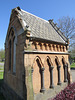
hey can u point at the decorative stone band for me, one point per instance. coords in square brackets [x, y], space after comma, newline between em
[44, 52]
[42, 80]
[49, 47]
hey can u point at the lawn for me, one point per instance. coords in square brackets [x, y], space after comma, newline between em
[73, 65]
[1, 71]
[1, 75]
[1, 67]
[1, 62]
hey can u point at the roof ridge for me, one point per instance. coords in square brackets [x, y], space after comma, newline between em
[35, 15]
[57, 29]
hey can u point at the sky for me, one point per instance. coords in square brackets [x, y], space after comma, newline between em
[46, 9]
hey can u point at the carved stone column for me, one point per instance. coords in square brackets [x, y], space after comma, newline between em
[65, 73]
[42, 80]
[59, 76]
[51, 77]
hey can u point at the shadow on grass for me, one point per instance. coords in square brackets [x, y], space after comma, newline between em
[1, 95]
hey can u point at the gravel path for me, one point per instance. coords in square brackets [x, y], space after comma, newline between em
[2, 64]
[1, 70]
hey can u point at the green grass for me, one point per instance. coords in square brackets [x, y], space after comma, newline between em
[1, 67]
[1, 62]
[1, 75]
[73, 65]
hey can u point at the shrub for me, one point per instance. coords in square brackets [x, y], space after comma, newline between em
[67, 94]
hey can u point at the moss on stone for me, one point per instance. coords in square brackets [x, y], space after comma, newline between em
[29, 84]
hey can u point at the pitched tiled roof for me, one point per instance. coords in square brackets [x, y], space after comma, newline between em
[41, 28]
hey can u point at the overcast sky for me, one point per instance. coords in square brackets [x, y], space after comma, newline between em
[46, 9]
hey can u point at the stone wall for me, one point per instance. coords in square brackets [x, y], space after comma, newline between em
[16, 81]
[30, 59]
[33, 71]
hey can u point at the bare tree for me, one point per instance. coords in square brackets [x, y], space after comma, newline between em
[67, 26]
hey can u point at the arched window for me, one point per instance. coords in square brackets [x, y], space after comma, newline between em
[14, 55]
[10, 55]
[12, 51]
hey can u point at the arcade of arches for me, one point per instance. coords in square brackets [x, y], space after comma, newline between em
[47, 70]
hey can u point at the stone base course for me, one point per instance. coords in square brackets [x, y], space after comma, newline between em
[50, 93]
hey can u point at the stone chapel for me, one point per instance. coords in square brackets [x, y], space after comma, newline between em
[36, 58]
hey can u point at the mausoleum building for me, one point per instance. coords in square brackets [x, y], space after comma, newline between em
[36, 57]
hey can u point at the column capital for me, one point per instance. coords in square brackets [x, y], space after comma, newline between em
[65, 65]
[59, 66]
[51, 67]
[42, 68]
[32, 70]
